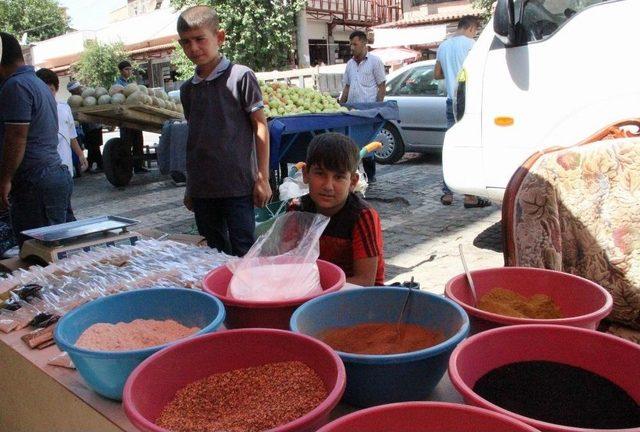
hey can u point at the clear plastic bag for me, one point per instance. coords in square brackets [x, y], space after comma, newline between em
[293, 187]
[281, 265]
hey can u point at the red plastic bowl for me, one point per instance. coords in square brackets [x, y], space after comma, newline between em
[426, 417]
[155, 381]
[608, 356]
[582, 302]
[247, 314]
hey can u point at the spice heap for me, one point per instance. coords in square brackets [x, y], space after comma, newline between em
[251, 399]
[380, 338]
[508, 303]
[134, 335]
[560, 394]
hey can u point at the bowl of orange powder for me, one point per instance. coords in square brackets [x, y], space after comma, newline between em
[524, 295]
[107, 338]
[386, 362]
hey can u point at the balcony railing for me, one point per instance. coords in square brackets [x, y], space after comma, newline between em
[356, 12]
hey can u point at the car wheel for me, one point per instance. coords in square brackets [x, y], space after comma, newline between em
[392, 146]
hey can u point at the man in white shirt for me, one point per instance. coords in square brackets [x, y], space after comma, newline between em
[67, 136]
[364, 81]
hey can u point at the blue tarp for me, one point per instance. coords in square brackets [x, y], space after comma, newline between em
[289, 135]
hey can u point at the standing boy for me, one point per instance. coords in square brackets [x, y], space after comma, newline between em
[228, 141]
[353, 238]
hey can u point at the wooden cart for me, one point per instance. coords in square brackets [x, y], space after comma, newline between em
[117, 152]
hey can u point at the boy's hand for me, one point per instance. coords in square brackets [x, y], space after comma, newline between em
[261, 192]
[188, 203]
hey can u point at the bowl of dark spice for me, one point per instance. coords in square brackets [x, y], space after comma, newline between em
[237, 380]
[523, 295]
[426, 417]
[555, 378]
[386, 361]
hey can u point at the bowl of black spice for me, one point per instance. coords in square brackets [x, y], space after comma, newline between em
[555, 378]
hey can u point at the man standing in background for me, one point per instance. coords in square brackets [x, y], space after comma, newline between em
[449, 60]
[132, 136]
[364, 81]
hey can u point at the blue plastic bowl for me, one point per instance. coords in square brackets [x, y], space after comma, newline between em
[381, 379]
[106, 371]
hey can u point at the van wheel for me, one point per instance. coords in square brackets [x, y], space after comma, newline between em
[392, 146]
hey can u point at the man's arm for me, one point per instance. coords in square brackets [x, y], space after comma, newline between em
[261, 189]
[345, 94]
[437, 72]
[15, 142]
[78, 151]
[382, 91]
[364, 271]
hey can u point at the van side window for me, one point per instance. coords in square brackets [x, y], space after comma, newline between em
[542, 18]
[418, 82]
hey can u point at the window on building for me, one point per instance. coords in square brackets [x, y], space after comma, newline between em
[318, 52]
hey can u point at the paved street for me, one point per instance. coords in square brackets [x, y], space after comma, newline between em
[421, 236]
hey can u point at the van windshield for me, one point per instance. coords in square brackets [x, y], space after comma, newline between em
[542, 18]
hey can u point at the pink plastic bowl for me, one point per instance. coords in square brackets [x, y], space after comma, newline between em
[582, 302]
[155, 381]
[247, 314]
[426, 417]
[608, 356]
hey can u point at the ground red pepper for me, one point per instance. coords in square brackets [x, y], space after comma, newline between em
[380, 338]
[244, 400]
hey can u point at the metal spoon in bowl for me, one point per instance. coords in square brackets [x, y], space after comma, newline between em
[466, 270]
[404, 306]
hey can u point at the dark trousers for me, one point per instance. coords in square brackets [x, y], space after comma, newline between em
[369, 165]
[228, 224]
[134, 138]
[41, 203]
[93, 142]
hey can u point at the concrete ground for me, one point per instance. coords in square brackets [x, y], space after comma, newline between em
[421, 236]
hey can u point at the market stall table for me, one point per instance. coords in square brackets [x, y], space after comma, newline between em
[36, 396]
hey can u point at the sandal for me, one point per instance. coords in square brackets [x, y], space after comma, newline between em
[480, 202]
[446, 199]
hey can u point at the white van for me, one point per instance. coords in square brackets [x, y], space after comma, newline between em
[543, 73]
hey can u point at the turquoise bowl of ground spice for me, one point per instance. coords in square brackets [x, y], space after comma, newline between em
[555, 378]
[106, 370]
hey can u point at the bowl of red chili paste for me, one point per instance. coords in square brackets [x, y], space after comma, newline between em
[555, 378]
[266, 314]
[245, 379]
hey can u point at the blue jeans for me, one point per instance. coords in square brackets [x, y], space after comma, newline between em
[228, 224]
[451, 120]
[42, 202]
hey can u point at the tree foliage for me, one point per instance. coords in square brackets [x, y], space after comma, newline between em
[98, 64]
[485, 7]
[184, 67]
[260, 33]
[40, 19]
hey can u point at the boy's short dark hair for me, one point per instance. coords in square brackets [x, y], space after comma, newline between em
[359, 34]
[468, 21]
[11, 51]
[49, 77]
[124, 64]
[333, 151]
[198, 17]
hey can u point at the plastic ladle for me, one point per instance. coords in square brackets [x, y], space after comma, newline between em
[404, 306]
[466, 270]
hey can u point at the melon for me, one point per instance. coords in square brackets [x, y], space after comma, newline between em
[118, 99]
[116, 88]
[135, 98]
[100, 91]
[143, 89]
[89, 91]
[105, 99]
[75, 101]
[130, 89]
[89, 101]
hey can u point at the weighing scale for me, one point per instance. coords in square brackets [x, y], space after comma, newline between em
[56, 242]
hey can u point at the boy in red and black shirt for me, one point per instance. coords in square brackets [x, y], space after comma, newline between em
[353, 238]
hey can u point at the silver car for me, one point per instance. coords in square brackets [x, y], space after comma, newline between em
[422, 104]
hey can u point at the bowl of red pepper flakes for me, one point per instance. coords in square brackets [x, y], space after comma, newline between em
[239, 380]
[271, 314]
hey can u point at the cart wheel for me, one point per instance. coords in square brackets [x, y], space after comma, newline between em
[118, 162]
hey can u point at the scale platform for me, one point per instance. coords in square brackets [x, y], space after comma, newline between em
[56, 242]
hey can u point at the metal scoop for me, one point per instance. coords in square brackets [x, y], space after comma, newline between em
[404, 306]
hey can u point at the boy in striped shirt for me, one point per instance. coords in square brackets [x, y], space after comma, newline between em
[353, 239]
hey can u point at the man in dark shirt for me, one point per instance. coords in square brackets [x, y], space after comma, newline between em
[34, 183]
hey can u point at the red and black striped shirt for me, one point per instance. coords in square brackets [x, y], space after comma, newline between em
[353, 233]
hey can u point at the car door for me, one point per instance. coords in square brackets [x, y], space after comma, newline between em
[422, 105]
